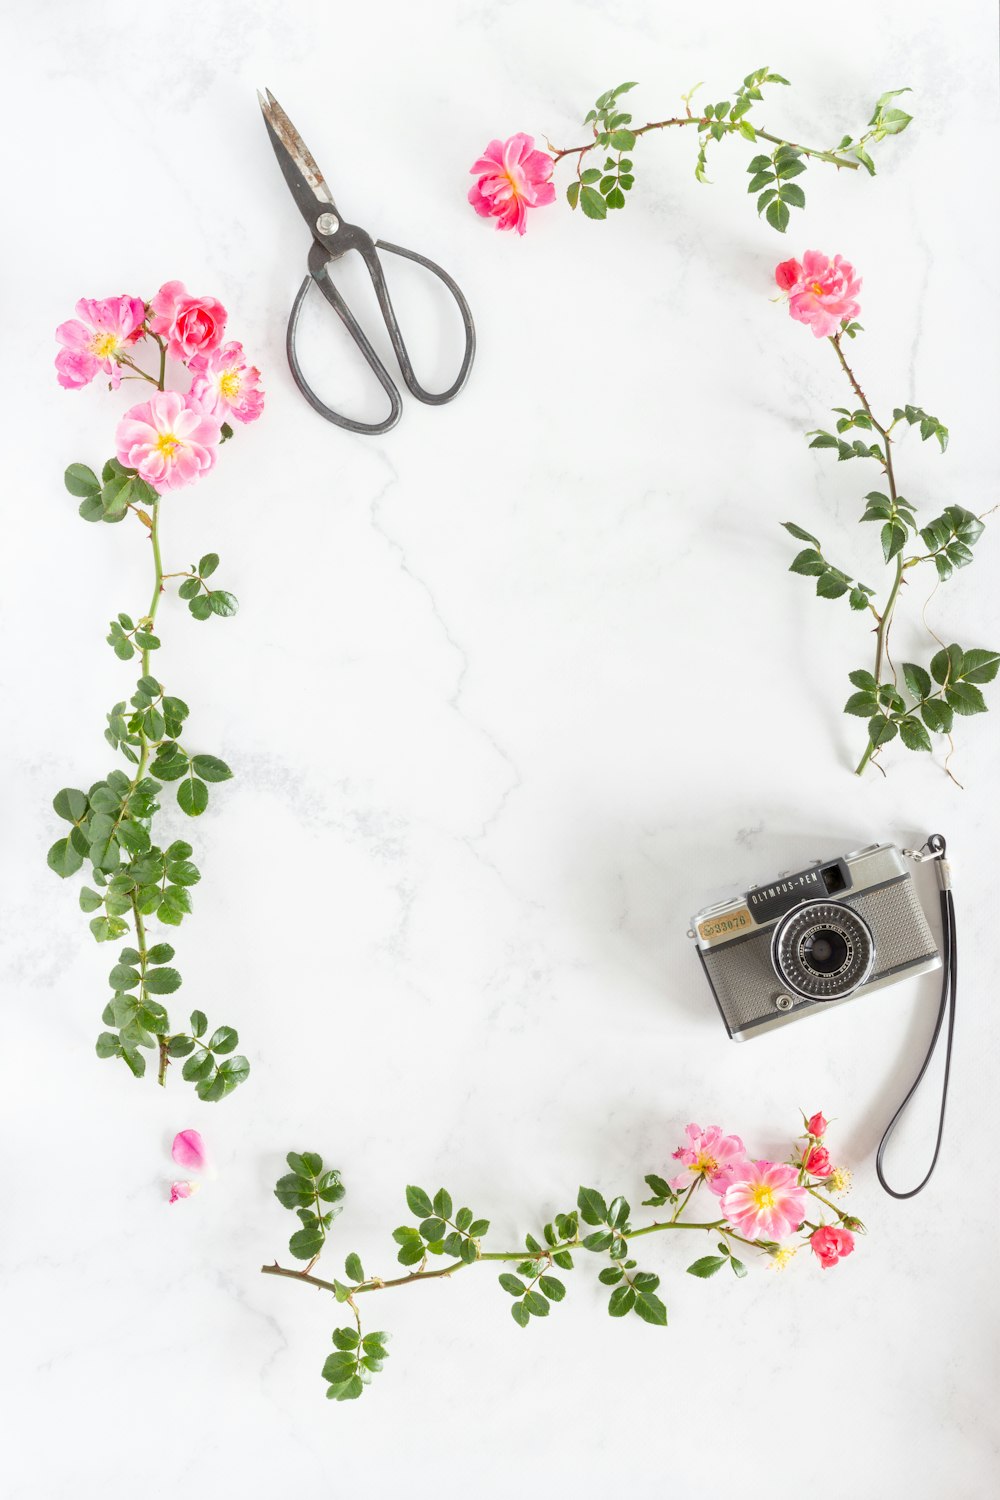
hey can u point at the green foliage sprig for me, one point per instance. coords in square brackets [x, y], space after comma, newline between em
[135, 873]
[445, 1240]
[911, 702]
[598, 189]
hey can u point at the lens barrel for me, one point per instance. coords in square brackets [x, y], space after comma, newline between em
[822, 950]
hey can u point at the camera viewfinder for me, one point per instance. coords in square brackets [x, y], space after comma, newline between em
[834, 878]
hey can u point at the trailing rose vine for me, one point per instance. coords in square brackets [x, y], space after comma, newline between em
[774, 1208]
[162, 444]
[513, 176]
[822, 293]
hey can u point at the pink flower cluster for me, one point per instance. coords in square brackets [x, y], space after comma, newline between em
[173, 438]
[511, 178]
[766, 1200]
[821, 292]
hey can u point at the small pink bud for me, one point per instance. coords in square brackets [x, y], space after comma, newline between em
[188, 1151]
[817, 1125]
[182, 1190]
[787, 274]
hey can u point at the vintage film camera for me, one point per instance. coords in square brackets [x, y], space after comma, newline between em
[806, 941]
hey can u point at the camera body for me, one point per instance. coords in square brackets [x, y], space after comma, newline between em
[813, 939]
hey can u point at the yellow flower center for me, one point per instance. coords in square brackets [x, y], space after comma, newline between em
[166, 443]
[229, 385]
[817, 288]
[762, 1195]
[104, 345]
[706, 1164]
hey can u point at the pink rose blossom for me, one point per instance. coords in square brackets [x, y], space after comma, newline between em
[818, 1162]
[190, 325]
[93, 340]
[817, 1125]
[170, 439]
[226, 384]
[182, 1190]
[188, 1150]
[513, 177]
[710, 1156]
[821, 292]
[831, 1244]
[763, 1200]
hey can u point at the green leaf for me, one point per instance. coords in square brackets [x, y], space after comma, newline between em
[162, 981]
[881, 730]
[200, 606]
[947, 664]
[800, 534]
[622, 1301]
[520, 1314]
[419, 1203]
[223, 1040]
[199, 1023]
[917, 680]
[347, 1338]
[623, 140]
[964, 698]
[293, 1191]
[913, 734]
[511, 1283]
[210, 768]
[433, 1229]
[592, 203]
[208, 564]
[81, 481]
[221, 603]
[777, 215]
[108, 1045]
[739, 1269]
[70, 804]
[573, 193]
[707, 1266]
[831, 585]
[536, 1304]
[552, 1287]
[234, 1071]
[650, 1309]
[593, 1209]
[192, 797]
[307, 1242]
[893, 538]
[64, 858]
[980, 666]
[937, 716]
[809, 562]
[443, 1206]
[354, 1270]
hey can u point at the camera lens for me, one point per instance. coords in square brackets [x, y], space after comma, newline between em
[822, 950]
[826, 950]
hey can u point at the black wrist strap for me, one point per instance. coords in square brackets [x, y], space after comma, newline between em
[933, 849]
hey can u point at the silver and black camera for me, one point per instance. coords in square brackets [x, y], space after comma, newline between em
[809, 940]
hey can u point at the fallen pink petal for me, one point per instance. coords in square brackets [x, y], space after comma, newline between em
[182, 1190]
[189, 1151]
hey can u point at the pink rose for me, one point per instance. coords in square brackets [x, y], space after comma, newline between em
[190, 325]
[818, 1162]
[709, 1156]
[226, 384]
[764, 1201]
[817, 1125]
[821, 292]
[170, 439]
[831, 1244]
[95, 339]
[513, 177]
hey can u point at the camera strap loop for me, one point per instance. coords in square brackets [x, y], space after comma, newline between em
[934, 849]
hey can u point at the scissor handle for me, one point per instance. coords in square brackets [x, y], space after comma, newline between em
[319, 262]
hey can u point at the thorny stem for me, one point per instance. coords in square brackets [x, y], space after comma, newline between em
[831, 156]
[885, 618]
[377, 1284]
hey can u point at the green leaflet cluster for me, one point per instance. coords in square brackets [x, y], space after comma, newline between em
[912, 701]
[597, 190]
[113, 826]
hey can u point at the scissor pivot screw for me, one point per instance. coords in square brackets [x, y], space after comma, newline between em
[327, 224]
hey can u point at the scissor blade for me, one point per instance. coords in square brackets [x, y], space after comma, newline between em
[305, 180]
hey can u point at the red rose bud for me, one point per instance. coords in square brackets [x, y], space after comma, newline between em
[817, 1125]
[818, 1162]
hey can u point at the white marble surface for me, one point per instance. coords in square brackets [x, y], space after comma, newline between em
[512, 690]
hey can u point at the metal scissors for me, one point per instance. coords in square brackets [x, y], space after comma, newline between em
[332, 239]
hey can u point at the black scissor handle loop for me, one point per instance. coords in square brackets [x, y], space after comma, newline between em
[431, 398]
[319, 263]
